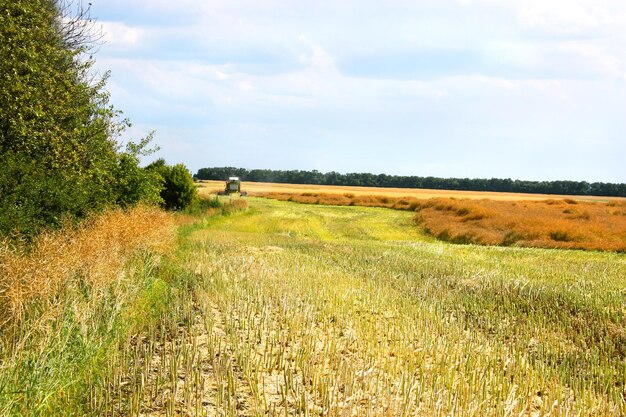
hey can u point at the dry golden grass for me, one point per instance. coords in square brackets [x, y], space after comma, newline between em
[211, 187]
[550, 223]
[563, 224]
[96, 251]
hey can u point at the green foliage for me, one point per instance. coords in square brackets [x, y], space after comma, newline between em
[33, 197]
[151, 304]
[58, 132]
[134, 184]
[179, 191]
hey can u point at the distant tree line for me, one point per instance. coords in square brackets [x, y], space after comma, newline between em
[398, 181]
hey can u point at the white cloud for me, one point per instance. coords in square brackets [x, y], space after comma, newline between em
[121, 37]
[281, 80]
[564, 17]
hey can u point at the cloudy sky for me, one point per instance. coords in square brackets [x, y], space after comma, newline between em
[524, 89]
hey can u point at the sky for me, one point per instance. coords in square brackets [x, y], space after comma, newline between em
[521, 89]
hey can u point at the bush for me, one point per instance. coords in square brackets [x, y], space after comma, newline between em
[135, 184]
[560, 236]
[204, 205]
[178, 191]
[34, 198]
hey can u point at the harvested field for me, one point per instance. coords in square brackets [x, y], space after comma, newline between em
[318, 310]
[549, 223]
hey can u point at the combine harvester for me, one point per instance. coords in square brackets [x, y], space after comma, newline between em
[233, 186]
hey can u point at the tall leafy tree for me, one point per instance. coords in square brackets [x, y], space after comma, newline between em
[58, 131]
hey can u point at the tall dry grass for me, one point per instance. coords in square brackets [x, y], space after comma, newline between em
[78, 304]
[346, 199]
[95, 252]
[566, 223]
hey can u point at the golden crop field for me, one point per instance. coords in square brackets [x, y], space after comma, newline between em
[565, 224]
[207, 187]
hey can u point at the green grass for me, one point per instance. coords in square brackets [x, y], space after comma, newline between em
[328, 223]
[66, 365]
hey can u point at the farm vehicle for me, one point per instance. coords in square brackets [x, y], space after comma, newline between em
[233, 186]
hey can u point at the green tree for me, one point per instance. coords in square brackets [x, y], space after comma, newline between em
[134, 184]
[178, 192]
[58, 133]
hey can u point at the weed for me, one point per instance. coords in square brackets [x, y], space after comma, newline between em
[63, 301]
[560, 236]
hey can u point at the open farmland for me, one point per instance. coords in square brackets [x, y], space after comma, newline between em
[207, 187]
[564, 224]
[591, 223]
[350, 311]
[307, 310]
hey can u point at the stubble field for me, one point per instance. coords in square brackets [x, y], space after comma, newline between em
[286, 309]
[350, 311]
[504, 219]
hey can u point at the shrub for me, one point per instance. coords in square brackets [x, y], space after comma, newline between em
[32, 198]
[511, 238]
[134, 184]
[178, 191]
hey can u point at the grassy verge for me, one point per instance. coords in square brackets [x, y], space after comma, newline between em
[76, 303]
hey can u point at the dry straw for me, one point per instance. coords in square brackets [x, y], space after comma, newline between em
[95, 252]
